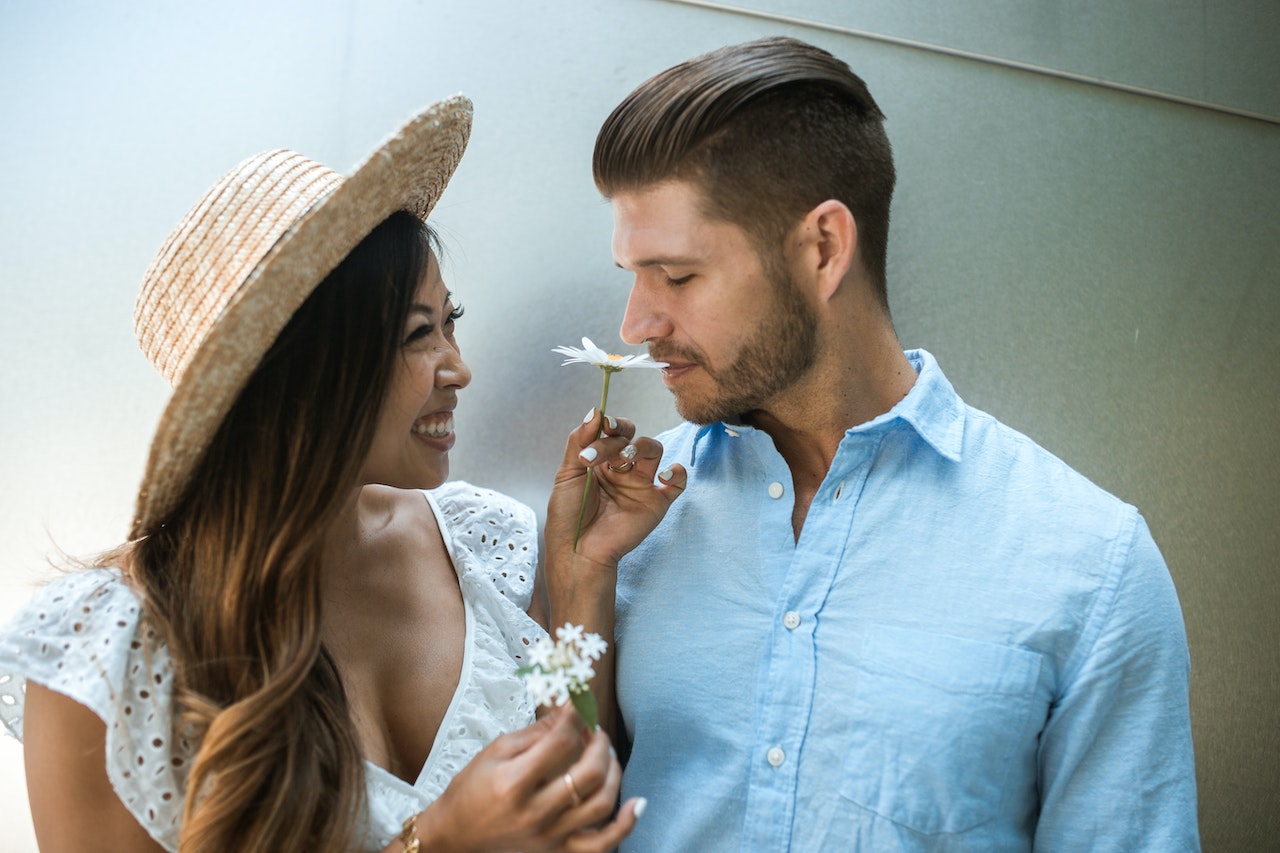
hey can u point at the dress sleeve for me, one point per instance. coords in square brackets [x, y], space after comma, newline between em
[1116, 765]
[83, 635]
[499, 531]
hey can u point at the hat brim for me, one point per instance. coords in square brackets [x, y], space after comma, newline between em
[408, 171]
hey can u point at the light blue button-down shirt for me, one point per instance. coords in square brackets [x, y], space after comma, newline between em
[971, 648]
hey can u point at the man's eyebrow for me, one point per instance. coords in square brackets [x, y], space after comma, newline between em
[660, 262]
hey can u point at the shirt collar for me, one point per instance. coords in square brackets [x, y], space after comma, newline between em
[932, 408]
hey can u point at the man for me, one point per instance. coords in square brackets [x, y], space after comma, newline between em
[877, 619]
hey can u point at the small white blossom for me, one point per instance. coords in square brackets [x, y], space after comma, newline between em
[559, 670]
[569, 634]
[557, 686]
[539, 688]
[592, 647]
[580, 671]
[541, 653]
[592, 354]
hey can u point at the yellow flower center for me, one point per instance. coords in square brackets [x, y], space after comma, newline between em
[613, 357]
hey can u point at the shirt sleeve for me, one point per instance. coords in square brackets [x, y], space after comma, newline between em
[1117, 771]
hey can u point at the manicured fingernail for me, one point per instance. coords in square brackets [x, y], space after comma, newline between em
[591, 416]
[641, 805]
[666, 475]
[608, 419]
[588, 455]
[629, 452]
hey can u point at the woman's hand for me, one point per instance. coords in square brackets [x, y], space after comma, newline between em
[627, 499]
[549, 787]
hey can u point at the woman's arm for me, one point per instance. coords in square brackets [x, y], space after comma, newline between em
[73, 804]
[622, 507]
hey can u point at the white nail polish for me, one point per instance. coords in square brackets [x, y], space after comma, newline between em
[591, 416]
[666, 475]
[611, 422]
[629, 452]
[588, 455]
[641, 804]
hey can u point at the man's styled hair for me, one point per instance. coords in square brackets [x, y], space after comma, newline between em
[766, 130]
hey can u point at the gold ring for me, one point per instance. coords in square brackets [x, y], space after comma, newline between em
[567, 779]
[621, 469]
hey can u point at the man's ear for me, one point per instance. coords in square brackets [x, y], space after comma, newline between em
[828, 240]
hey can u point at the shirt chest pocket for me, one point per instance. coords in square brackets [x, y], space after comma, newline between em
[936, 724]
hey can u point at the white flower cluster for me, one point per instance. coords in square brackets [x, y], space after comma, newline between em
[562, 667]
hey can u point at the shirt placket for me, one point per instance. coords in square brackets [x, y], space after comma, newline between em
[788, 669]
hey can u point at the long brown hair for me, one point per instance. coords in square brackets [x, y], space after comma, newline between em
[231, 579]
[766, 130]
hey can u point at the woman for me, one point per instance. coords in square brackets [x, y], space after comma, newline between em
[297, 648]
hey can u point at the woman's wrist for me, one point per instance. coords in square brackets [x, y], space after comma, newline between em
[578, 579]
[409, 841]
[429, 835]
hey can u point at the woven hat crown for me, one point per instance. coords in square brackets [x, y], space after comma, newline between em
[210, 254]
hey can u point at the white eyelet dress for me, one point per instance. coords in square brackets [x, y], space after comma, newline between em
[83, 635]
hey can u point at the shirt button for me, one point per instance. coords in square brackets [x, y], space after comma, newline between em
[791, 620]
[775, 490]
[776, 756]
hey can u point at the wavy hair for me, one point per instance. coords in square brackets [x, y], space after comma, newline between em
[231, 579]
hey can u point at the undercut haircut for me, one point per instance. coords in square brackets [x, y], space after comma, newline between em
[766, 130]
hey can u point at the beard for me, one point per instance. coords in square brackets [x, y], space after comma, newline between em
[774, 355]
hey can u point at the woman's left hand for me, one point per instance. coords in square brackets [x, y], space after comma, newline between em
[625, 498]
[628, 498]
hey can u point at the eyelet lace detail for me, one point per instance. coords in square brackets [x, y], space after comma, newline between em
[83, 635]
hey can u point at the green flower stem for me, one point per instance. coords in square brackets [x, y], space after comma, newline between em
[586, 491]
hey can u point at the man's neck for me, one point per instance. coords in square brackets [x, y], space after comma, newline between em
[808, 422]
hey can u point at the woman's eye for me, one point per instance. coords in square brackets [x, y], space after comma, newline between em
[679, 281]
[453, 317]
[419, 333]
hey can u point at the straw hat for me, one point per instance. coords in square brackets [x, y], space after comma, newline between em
[244, 259]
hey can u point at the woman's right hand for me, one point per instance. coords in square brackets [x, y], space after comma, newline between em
[515, 795]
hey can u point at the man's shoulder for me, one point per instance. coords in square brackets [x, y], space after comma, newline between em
[994, 448]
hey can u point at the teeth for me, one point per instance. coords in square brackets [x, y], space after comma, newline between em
[436, 428]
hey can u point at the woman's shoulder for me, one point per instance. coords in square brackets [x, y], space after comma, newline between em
[462, 501]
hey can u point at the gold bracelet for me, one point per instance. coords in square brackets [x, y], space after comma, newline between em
[409, 835]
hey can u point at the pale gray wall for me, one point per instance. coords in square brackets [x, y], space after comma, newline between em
[1100, 270]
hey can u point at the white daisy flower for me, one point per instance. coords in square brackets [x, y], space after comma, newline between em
[608, 362]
